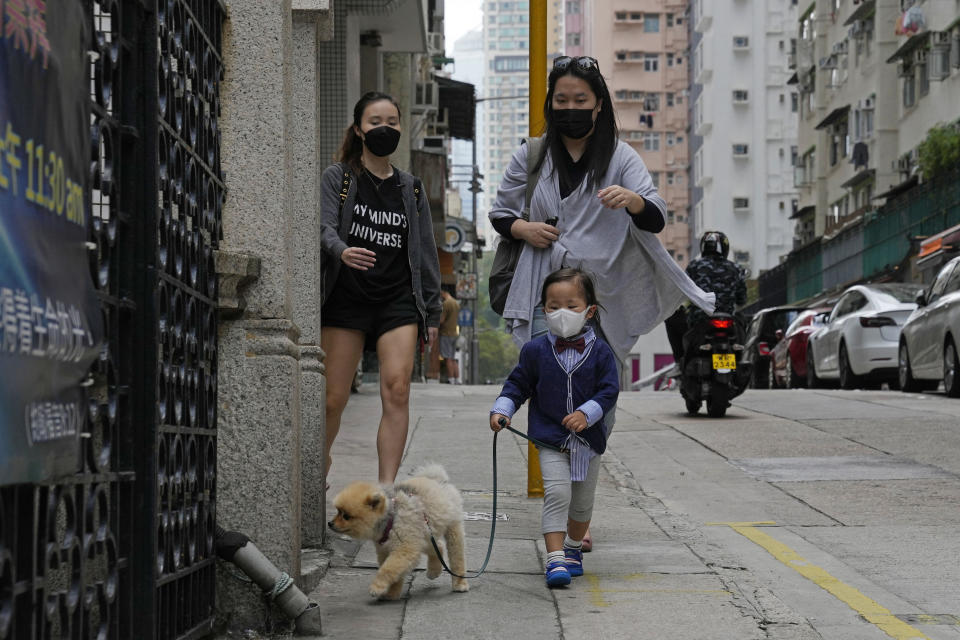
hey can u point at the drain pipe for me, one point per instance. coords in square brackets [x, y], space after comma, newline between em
[278, 586]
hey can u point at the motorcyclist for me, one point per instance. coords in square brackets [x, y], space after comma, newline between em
[712, 271]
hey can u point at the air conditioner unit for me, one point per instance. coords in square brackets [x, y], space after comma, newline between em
[903, 163]
[920, 56]
[425, 97]
[941, 38]
[867, 103]
[840, 47]
[435, 42]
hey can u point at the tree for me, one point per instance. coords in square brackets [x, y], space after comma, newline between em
[940, 151]
[498, 353]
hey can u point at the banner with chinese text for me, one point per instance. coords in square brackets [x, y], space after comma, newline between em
[50, 320]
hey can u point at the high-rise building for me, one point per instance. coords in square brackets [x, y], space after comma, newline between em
[744, 126]
[468, 66]
[504, 101]
[642, 52]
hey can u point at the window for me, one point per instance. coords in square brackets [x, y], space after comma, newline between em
[636, 16]
[794, 102]
[651, 102]
[670, 179]
[620, 15]
[741, 149]
[573, 39]
[863, 123]
[655, 176]
[741, 203]
[651, 62]
[741, 42]
[922, 73]
[740, 96]
[670, 101]
[651, 141]
[679, 139]
[909, 91]
[669, 19]
[670, 59]
[953, 284]
[622, 56]
[939, 57]
[651, 22]
[671, 139]
[573, 6]
[794, 156]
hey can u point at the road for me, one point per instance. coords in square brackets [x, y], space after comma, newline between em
[800, 515]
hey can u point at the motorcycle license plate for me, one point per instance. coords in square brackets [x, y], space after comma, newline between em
[724, 361]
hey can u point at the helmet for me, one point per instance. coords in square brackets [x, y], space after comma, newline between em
[714, 242]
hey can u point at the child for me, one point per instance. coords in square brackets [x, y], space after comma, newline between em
[572, 379]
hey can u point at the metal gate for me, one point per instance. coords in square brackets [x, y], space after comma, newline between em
[124, 548]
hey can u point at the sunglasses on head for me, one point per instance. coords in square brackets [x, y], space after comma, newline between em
[584, 62]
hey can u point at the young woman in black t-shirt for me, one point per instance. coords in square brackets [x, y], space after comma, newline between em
[381, 285]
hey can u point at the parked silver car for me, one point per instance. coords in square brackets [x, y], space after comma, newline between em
[929, 338]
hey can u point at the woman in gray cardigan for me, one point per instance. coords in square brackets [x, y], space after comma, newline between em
[381, 286]
[595, 207]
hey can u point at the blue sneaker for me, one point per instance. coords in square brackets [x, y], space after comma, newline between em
[573, 558]
[557, 574]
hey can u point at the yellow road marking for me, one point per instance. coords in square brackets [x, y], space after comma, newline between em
[869, 609]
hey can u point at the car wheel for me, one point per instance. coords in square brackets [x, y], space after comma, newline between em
[951, 370]
[761, 373]
[848, 379]
[791, 379]
[813, 381]
[904, 374]
[693, 406]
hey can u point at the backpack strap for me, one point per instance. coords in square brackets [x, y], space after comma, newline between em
[534, 146]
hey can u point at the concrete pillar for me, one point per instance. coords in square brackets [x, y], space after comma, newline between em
[260, 420]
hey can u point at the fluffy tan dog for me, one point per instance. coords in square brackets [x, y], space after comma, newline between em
[400, 519]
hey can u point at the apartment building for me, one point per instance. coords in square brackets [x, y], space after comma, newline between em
[874, 76]
[744, 126]
[641, 47]
[504, 102]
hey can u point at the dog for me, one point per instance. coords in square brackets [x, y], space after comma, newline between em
[400, 519]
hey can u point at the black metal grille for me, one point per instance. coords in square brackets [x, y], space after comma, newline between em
[124, 548]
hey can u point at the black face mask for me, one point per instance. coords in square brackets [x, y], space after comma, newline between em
[573, 123]
[382, 140]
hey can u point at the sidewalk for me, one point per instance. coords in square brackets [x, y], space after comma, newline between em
[642, 581]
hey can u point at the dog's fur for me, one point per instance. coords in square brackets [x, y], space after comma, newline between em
[363, 511]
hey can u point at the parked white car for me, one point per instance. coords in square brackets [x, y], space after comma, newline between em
[929, 339]
[858, 344]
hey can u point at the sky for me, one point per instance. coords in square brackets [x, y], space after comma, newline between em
[460, 17]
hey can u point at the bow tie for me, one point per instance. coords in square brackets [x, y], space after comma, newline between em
[563, 344]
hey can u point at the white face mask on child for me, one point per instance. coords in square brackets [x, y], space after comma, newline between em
[566, 323]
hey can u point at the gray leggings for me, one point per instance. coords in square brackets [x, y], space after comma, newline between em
[562, 498]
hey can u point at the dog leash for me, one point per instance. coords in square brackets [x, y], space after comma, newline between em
[493, 520]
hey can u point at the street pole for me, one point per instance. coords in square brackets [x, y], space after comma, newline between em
[475, 339]
[537, 81]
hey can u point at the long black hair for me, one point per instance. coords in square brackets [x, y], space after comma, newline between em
[602, 142]
[351, 149]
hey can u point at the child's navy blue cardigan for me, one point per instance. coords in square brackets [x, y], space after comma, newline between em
[540, 377]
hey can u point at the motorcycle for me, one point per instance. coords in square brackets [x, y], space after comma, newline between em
[712, 370]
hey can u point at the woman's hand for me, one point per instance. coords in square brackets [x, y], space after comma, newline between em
[357, 258]
[576, 421]
[496, 419]
[617, 197]
[539, 234]
[432, 333]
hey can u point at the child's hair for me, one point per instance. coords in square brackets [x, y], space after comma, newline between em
[571, 274]
[352, 146]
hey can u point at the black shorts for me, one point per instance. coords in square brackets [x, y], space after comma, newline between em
[372, 318]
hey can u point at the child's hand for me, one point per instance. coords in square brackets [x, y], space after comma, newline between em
[576, 421]
[498, 421]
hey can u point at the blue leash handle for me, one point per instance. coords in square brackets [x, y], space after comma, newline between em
[493, 520]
